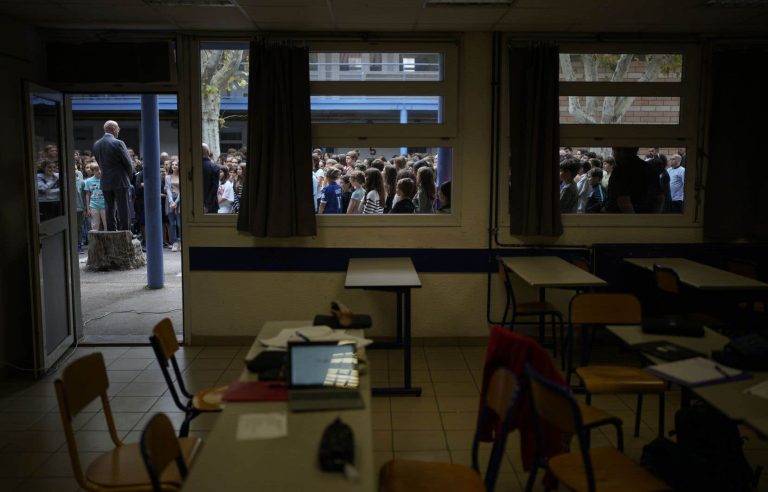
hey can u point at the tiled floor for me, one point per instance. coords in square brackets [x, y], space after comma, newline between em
[437, 426]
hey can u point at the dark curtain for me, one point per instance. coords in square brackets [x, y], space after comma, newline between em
[736, 194]
[277, 200]
[534, 141]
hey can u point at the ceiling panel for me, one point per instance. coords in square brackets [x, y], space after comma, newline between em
[396, 15]
[310, 16]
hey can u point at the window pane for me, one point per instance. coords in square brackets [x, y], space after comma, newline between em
[49, 176]
[606, 67]
[332, 66]
[411, 110]
[224, 95]
[375, 181]
[620, 110]
[653, 178]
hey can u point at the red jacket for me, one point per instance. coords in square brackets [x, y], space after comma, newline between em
[513, 351]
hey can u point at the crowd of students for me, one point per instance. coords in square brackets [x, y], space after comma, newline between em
[404, 184]
[623, 182]
[90, 200]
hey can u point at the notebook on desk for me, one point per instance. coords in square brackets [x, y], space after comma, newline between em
[323, 376]
[697, 371]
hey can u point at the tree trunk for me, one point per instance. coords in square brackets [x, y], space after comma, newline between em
[217, 68]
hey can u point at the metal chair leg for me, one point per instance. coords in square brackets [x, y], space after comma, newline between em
[638, 414]
[661, 414]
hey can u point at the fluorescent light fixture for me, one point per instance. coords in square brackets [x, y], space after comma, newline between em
[469, 3]
[190, 3]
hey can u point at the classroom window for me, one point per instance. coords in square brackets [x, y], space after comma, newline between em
[626, 97]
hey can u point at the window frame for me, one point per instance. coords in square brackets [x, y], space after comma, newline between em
[685, 134]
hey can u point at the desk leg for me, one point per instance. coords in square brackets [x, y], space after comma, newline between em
[404, 322]
[400, 295]
[542, 298]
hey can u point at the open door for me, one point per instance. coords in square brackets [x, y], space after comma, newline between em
[52, 182]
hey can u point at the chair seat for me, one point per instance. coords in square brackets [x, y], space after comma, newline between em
[418, 476]
[124, 467]
[209, 399]
[619, 379]
[535, 307]
[613, 471]
[591, 416]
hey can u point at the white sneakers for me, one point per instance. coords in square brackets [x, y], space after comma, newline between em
[176, 246]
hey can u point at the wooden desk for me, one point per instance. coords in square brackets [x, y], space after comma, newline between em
[700, 276]
[727, 398]
[551, 272]
[396, 275]
[288, 463]
[632, 335]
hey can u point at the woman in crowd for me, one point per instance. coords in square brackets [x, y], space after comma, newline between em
[375, 194]
[425, 196]
[225, 193]
[173, 197]
[390, 182]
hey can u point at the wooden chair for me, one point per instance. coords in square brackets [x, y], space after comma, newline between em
[159, 448]
[671, 300]
[122, 468]
[165, 345]
[591, 310]
[414, 476]
[748, 269]
[588, 469]
[528, 309]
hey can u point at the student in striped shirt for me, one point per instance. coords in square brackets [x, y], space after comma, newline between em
[374, 188]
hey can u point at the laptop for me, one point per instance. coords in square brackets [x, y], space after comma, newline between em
[679, 326]
[323, 376]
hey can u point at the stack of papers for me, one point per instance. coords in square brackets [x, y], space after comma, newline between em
[697, 371]
[312, 334]
[760, 390]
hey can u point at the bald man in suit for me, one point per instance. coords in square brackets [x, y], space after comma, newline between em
[116, 168]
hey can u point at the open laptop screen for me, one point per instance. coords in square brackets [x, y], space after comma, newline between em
[323, 364]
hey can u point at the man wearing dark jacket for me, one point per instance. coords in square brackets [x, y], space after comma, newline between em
[210, 182]
[116, 168]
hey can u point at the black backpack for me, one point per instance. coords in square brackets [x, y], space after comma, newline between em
[708, 454]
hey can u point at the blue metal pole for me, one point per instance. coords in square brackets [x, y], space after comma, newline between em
[403, 121]
[444, 165]
[150, 144]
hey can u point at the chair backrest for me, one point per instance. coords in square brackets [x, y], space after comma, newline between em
[501, 398]
[605, 309]
[582, 263]
[81, 382]
[165, 345]
[555, 404]
[159, 448]
[666, 279]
